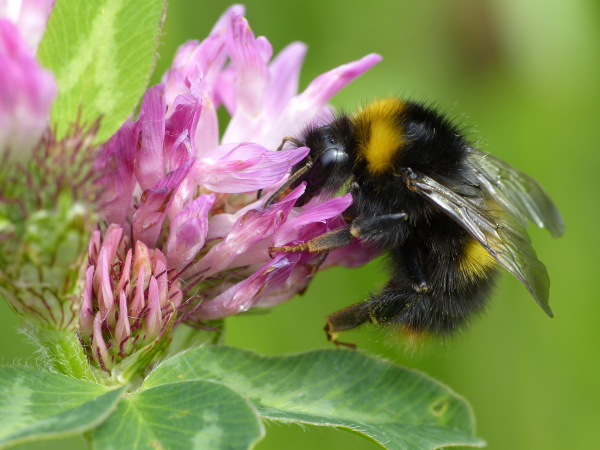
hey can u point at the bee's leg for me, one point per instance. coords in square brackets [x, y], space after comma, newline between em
[345, 319]
[397, 304]
[362, 228]
[366, 228]
[380, 309]
[324, 243]
[414, 266]
[390, 229]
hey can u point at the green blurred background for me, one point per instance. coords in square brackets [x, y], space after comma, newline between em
[524, 77]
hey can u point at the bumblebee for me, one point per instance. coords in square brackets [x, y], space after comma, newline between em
[447, 214]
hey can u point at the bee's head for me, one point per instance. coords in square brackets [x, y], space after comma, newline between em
[328, 165]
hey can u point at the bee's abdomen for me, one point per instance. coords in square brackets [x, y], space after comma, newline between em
[450, 301]
[450, 287]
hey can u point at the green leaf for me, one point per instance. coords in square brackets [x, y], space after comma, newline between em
[37, 404]
[102, 53]
[195, 414]
[397, 407]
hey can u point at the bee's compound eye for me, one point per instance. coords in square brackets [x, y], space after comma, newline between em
[323, 166]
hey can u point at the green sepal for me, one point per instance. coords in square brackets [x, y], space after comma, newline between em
[62, 351]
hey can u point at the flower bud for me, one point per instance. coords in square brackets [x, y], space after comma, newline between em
[137, 305]
[153, 320]
[122, 329]
[141, 258]
[86, 313]
[99, 349]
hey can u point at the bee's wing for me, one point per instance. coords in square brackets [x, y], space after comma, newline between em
[520, 195]
[500, 234]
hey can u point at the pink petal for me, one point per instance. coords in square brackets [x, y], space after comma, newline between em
[285, 74]
[300, 227]
[188, 231]
[141, 258]
[124, 282]
[86, 313]
[194, 61]
[175, 85]
[111, 242]
[180, 130]
[244, 167]
[207, 59]
[149, 165]
[122, 329]
[252, 227]
[137, 305]
[26, 94]
[220, 225]
[104, 292]
[283, 294]
[154, 204]
[30, 17]
[302, 108]
[158, 259]
[153, 319]
[245, 294]
[116, 159]
[207, 131]
[354, 255]
[295, 283]
[94, 245]
[183, 54]
[160, 272]
[225, 19]
[179, 143]
[99, 349]
[225, 89]
[249, 57]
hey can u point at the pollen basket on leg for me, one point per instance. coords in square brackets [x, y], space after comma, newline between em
[380, 134]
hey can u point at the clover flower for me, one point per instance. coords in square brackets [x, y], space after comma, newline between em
[188, 240]
[182, 237]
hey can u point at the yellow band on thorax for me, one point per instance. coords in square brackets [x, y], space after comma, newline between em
[380, 134]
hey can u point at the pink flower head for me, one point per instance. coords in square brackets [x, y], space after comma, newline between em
[195, 239]
[127, 297]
